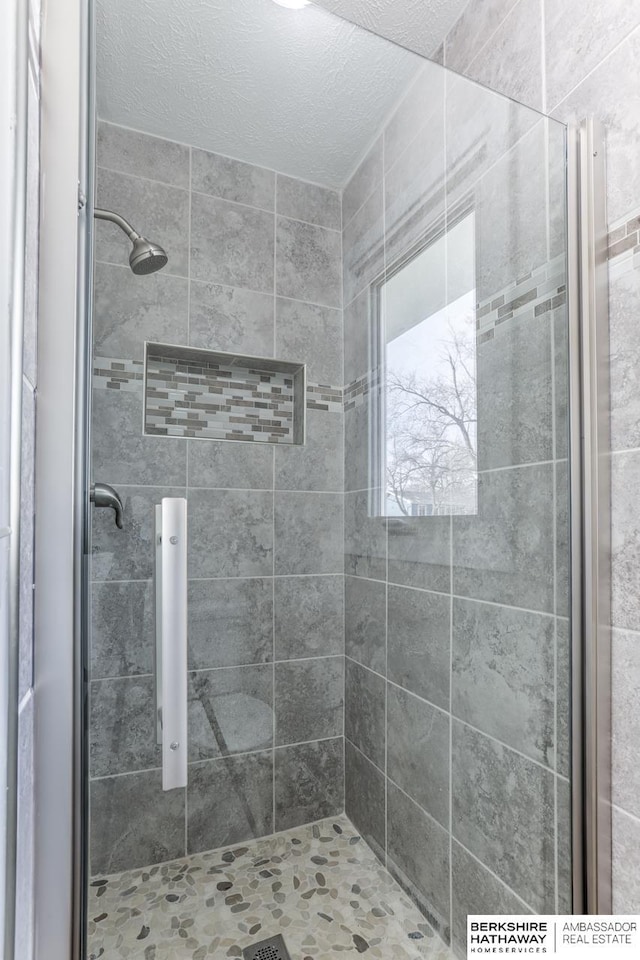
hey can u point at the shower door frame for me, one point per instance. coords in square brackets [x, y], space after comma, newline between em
[61, 548]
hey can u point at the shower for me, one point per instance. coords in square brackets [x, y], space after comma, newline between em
[146, 257]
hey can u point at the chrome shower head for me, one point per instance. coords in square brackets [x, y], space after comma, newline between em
[146, 257]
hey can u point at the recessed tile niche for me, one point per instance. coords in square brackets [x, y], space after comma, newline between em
[222, 396]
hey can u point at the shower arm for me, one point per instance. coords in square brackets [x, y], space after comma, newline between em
[117, 219]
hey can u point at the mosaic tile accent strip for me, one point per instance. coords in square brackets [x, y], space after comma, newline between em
[623, 245]
[320, 886]
[320, 396]
[114, 374]
[530, 296]
[357, 392]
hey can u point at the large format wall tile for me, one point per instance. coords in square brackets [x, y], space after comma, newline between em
[362, 182]
[231, 179]
[230, 711]
[420, 108]
[505, 553]
[625, 541]
[123, 726]
[418, 751]
[504, 675]
[624, 305]
[308, 262]
[141, 155]
[625, 720]
[418, 855]
[418, 643]
[309, 782]
[365, 538]
[626, 863]
[420, 552]
[127, 310]
[476, 891]
[230, 622]
[134, 822]
[365, 800]
[366, 623]
[311, 334]
[358, 337]
[308, 617]
[229, 801]
[122, 629]
[231, 320]
[503, 812]
[309, 699]
[478, 21]
[316, 464]
[363, 244]
[308, 533]
[232, 464]
[230, 533]
[308, 201]
[128, 554]
[157, 211]
[231, 243]
[364, 719]
[357, 448]
[121, 452]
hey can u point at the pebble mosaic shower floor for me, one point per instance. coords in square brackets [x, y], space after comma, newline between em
[320, 886]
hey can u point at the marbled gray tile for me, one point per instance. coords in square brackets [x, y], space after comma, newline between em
[418, 856]
[595, 29]
[230, 533]
[423, 102]
[477, 23]
[364, 712]
[122, 726]
[229, 801]
[309, 699]
[308, 533]
[505, 553]
[230, 711]
[308, 201]
[27, 539]
[25, 833]
[157, 211]
[231, 244]
[307, 333]
[563, 696]
[503, 812]
[561, 380]
[625, 720]
[127, 310]
[564, 894]
[563, 539]
[363, 245]
[512, 62]
[418, 643]
[231, 179]
[365, 622]
[418, 751]
[610, 93]
[420, 552]
[364, 789]
[128, 554]
[358, 337]
[625, 541]
[231, 319]
[476, 891]
[134, 822]
[503, 679]
[357, 443]
[308, 262]
[365, 538]
[624, 304]
[214, 463]
[309, 782]
[318, 463]
[309, 616]
[362, 182]
[515, 374]
[230, 622]
[121, 453]
[141, 155]
[122, 629]
[626, 863]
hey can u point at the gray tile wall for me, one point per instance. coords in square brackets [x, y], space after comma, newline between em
[254, 267]
[456, 706]
[583, 60]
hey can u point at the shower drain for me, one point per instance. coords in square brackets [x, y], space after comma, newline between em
[272, 949]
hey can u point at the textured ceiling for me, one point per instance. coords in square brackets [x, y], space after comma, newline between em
[303, 92]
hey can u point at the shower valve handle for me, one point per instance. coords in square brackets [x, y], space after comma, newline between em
[102, 495]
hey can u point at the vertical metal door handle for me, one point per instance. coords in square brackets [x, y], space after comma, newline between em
[102, 495]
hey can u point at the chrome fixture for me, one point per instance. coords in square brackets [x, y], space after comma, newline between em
[146, 257]
[102, 495]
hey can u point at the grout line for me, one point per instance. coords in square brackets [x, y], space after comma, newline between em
[234, 666]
